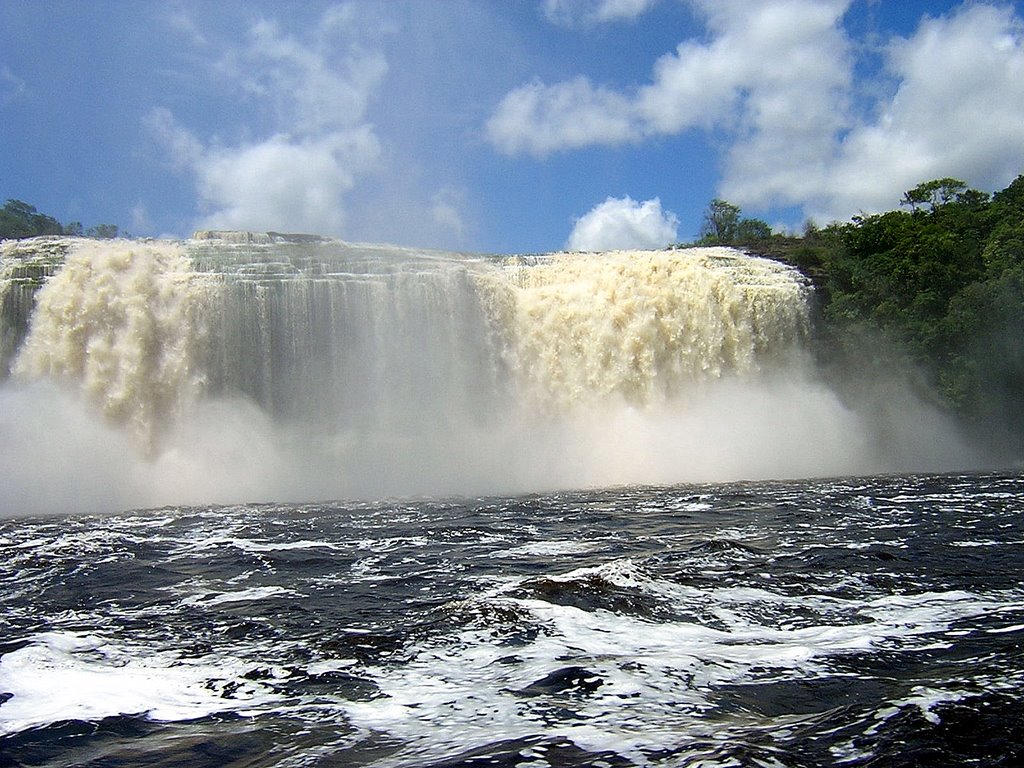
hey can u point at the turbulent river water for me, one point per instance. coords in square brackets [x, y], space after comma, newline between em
[553, 562]
[859, 622]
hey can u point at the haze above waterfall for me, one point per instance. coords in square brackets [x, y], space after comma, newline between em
[241, 366]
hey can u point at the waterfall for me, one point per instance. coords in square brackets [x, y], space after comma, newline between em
[648, 326]
[259, 365]
[378, 339]
[122, 322]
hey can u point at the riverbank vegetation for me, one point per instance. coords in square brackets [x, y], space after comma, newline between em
[19, 219]
[935, 288]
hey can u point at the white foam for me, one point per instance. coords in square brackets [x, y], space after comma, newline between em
[1005, 630]
[542, 548]
[256, 545]
[67, 676]
[695, 506]
[253, 594]
[985, 543]
[656, 678]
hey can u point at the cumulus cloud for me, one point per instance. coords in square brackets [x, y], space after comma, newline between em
[775, 81]
[623, 223]
[958, 110]
[317, 88]
[284, 183]
[540, 119]
[778, 65]
[787, 97]
[574, 12]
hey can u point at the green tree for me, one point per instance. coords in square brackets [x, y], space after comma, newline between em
[724, 225]
[983, 375]
[934, 289]
[103, 231]
[935, 193]
[721, 223]
[19, 219]
[752, 231]
[944, 284]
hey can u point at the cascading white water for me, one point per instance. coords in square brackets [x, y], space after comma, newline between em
[647, 326]
[389, 340]
[259, 365]
[123, 323]
[349, 338]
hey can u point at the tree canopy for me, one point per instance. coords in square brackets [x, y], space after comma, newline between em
[19, 220]
[941, 281]
[723, 225]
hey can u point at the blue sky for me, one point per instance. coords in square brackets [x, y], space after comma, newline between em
[500, 125]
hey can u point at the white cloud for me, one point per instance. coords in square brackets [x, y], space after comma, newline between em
[11, 86]
[183, 24]
[775, 80]
[184, 150]
[791, 92]
[775, 62]
[318, 88]
[540, 119]
[958, 110]
[445, 206]
[285, 184]
[574, 12]
[622, 223]
[779, 65]
[311, 85]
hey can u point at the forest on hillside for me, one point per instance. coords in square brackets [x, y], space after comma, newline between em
[934, 289]
[19, 220]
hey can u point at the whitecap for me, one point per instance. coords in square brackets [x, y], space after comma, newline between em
[62, 676]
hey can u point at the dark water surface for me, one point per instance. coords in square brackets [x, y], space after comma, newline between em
[857, 622]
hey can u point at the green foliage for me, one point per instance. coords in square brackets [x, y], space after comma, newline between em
[19, 220]
[934, 193]
[721, 221]
[936, 287]
[752, 231]
[723, 225]
[102, 231]
[944, 283]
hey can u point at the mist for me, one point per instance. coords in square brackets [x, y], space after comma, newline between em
[61, 456]
[143, 382]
